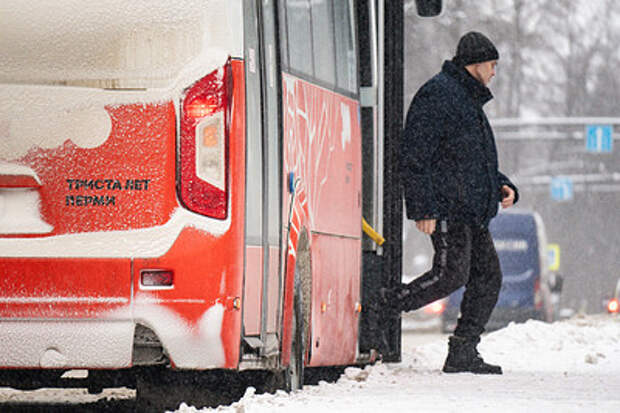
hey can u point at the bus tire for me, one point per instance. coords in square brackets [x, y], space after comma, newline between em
[294, 373]
[291, 377]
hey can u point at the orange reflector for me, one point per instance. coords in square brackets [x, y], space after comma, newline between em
[613, 305]
[237, 303]
[209, 136]
[323, 307]
[358, 308]
[157, 278]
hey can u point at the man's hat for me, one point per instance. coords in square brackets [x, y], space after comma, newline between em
[474, 47]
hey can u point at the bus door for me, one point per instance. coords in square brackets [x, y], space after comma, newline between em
[263, 183]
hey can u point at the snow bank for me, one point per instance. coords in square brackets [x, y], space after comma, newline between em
[570, 366]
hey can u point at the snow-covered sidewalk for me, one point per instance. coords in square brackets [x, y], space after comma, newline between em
[569, 366]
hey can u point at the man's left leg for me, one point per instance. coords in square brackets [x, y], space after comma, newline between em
[479, 299]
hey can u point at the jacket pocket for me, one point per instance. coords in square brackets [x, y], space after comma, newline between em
[449, 191]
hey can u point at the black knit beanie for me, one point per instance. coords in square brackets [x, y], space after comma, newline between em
[474, 47]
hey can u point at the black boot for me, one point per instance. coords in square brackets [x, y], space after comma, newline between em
[463, 357]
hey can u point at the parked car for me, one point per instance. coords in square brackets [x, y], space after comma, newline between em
[528, 287]
[426, 318]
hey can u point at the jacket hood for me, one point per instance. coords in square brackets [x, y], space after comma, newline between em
[478, 92]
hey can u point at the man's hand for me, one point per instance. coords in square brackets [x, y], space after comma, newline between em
[508, 196]
[427, 226]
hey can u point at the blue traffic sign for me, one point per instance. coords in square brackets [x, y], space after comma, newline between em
[561, 188]
[599, 138]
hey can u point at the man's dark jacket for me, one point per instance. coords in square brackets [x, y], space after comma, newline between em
[449, 160]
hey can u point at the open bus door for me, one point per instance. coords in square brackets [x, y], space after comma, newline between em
[381, 46]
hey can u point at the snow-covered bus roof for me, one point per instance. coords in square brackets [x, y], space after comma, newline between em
[116, 44]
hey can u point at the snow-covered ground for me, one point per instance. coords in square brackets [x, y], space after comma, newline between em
[569, 366]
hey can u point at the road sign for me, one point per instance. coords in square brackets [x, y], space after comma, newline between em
[599, 138]
[562, 188]
[553, 256]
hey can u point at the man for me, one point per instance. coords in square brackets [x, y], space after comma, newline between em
[452, 189]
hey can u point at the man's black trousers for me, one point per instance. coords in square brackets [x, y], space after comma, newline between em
[464, 256]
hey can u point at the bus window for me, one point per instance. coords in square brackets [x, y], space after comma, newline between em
[283, 36]
[346, 63]
[299, 36]
[323, 41]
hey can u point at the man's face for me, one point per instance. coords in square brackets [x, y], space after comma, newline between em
[484, 71]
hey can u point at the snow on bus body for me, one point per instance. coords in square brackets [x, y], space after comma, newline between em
[19, 201]
[104, 166]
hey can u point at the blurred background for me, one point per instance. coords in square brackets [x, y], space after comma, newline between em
[555, 78]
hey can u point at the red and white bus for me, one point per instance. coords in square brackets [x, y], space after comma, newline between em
[182, 187]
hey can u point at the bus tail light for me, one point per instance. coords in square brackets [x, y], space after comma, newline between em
[204, 144]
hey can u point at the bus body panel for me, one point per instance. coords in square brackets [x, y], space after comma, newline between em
[336, 291]
[198, 320]
[66, 343]
[322, 149]
[107, 187]
[41, 288]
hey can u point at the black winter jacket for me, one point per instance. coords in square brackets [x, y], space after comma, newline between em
[449, 163]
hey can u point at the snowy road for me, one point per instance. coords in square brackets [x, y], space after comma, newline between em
[570, 366]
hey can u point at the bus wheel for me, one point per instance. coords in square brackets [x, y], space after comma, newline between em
[291, 377]
[294, 374]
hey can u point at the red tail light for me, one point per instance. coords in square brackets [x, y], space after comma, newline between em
[613, 305]
[204, 145]
[538, 299]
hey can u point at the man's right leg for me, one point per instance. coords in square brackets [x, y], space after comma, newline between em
[452, 243]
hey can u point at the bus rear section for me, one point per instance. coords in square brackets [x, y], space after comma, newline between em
[122, 158]
[520, 242]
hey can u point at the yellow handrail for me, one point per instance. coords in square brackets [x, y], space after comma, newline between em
[374, 235]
